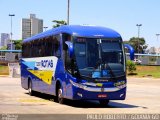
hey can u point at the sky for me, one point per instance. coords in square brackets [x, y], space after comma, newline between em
[120, 15]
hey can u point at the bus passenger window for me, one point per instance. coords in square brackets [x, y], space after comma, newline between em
[57, 47]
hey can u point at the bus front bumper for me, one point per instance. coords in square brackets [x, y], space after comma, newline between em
[81, 92]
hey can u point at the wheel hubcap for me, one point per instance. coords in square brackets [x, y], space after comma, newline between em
[30, 89]
[60, 96]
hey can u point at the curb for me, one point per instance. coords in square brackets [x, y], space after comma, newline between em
[4, 75]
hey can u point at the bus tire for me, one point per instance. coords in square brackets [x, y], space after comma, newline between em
[30, 89]
[60, 96]
[103, 102]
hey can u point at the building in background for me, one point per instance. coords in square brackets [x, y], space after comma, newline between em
[4, 39]
[31, 26]
[158, 51]
[152, 50]
[26, 28]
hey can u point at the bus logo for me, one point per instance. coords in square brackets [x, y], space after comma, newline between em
[102, 89]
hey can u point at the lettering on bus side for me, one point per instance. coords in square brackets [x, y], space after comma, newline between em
[47, 63]
[38, 64]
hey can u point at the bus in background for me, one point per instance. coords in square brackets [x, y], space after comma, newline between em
[75, 62]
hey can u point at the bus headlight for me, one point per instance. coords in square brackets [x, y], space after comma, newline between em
[120, 84]
[78, 85]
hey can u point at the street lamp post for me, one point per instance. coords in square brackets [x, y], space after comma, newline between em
[45, 28]
[157, 40]
[68, 10]
[157, 35]
[138, 25]
[11, 15]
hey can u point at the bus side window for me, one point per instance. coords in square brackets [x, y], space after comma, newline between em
[47, 46]
[57, 47]
[52, 50]
[50, 46]
[28, 50]
[36, 49]
[23, 50]
[39, 48]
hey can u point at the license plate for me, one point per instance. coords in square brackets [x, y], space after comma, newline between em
[102, 96]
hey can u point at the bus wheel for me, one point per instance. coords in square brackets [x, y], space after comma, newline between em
[30, 91]
[60, 96]
[103, 102]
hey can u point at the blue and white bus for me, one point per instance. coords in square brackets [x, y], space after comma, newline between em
[75, 62]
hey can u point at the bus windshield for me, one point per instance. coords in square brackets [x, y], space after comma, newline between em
[99, 58]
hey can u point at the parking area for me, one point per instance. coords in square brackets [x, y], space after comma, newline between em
[143, 96]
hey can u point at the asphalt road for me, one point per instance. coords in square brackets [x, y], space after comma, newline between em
[143, 96]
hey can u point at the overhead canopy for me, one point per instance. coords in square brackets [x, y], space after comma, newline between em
[16, 51]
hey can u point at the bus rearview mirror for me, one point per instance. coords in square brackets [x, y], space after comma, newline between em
[70, 48]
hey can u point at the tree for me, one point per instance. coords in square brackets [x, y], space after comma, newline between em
[135, 42]
[3, 48]
[18, 44]
[131, 67]
[59, 23]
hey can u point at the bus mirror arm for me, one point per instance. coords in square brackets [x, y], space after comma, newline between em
[70, 48]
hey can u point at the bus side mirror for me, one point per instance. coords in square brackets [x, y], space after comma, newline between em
[70, 48]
